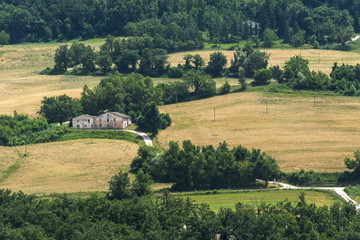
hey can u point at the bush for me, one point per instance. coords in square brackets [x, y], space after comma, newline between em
[175, 72]
[225, 88]
[277, 87]
[262, 77]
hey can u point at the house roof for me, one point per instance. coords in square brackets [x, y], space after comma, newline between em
[84, 115]
[116, 114]
[113, 113]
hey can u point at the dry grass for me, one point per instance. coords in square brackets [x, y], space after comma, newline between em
[21, 86]
[295, 132]
[70, 166]
[8, 157]
[320, 60]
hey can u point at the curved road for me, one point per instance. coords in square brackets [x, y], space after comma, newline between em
[146, 138]
[338, 190]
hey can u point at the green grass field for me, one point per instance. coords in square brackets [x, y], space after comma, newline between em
[255, 198]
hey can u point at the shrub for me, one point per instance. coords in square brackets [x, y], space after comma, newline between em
[262, 77]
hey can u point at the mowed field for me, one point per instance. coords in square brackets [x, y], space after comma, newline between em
[228, 200]
[70, 166]
[21, 86]
[294, 131]
[319, 60]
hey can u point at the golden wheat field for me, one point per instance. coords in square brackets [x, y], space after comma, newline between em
[70, 166]
[293, 131]
[319, 60]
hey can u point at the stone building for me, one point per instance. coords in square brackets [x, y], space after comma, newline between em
[106, 120]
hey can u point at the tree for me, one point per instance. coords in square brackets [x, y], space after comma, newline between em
[262, 77]
[119, 186]
[62, 58]
[354, 164]
[255, 61]
[104, 61]
[203, 84]
[142, 184]
[298, 39]
[60, 109]
[151, 120]
[295, 66]
[225, 88]
[216, 64]
[265, 167]
[198, 61]
[269, 36]
[4, 38]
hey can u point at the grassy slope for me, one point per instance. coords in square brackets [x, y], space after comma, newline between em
[228, 200]
[295, 132]
[70, 166]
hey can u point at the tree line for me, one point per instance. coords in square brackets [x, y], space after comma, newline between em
[180, 22]
[344, 79]
[141, 215]
[193, 167]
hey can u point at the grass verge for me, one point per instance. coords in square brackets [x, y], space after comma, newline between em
[354, 192]
[217, 200]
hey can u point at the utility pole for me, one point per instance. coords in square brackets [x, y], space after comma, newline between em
[25, 149]
[266, 106]
[176, 98]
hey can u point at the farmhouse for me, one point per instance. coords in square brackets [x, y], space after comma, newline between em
[106, 120]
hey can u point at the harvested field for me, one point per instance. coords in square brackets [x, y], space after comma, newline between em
[319, 60]
[70, 166]
[228, 200]
[21, 86]
[293, 131]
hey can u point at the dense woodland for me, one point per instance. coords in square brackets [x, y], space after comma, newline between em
[139, 215]
[180, 21]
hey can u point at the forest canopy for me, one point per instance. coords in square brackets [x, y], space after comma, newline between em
[180, 22]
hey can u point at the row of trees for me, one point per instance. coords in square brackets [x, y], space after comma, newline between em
[193, 167]
[296, 74]
[169, 217]
[180, 21]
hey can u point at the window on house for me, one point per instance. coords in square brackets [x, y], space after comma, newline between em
[88, 120]
[92, 125]
[114, 119]
[78, 126]
[107, 115]
[108, 125]
[108, 119]
[99, 119]
[78, 120]
[115, 125]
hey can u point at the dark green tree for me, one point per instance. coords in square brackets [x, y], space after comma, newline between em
[198, 61]
[203, 84]
[62, 58]
[104, 61]
[142, 184]
[255, 61]
[119, 186]
[353, 164]
[269, 36]
[4, 38]
[216, 64]
[60, 109]
[262, 77]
